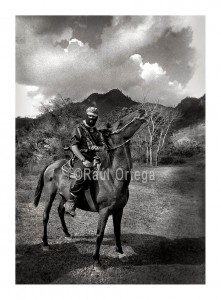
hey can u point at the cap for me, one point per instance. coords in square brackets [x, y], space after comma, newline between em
[92, 111]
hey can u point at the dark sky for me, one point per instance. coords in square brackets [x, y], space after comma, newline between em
[157, 57]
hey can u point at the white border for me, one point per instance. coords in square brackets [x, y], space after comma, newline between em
[188, 7]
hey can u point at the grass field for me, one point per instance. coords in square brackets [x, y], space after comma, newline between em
[163, 234]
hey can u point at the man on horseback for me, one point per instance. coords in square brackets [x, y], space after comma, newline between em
[85, 142]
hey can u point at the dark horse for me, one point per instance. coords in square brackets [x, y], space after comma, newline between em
[111, 192]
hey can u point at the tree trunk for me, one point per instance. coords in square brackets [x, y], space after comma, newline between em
[158, 148]
[147, 155]
[151, 157]
[156, 160]
[150, 147]
[147, 151]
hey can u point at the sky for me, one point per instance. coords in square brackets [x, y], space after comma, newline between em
[149, 58]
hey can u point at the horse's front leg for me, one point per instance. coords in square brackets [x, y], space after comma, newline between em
[103, 217]
[117, 216]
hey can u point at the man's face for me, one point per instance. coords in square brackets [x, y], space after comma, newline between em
[91, 119]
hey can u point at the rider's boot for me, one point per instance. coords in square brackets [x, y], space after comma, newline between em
[70, 205]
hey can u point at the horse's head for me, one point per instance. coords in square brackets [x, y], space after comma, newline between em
[124, 129]
[129, 124]
[119, 134]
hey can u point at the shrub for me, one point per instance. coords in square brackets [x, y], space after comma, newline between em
[166, 160]
[201, 164]
[179, 161]
[139, 157]
[22, 157]
[186, 147]
[169, 160]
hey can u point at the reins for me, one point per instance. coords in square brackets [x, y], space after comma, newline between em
[114, 148]
[119, 130]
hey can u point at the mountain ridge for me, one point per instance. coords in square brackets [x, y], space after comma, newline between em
[192, 109]
[108, 101]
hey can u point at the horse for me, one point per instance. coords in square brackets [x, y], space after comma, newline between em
[111, 193]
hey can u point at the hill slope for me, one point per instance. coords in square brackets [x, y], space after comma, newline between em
[109, 101]
[192, 111]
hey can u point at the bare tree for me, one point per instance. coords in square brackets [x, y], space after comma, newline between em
[159, 120]
[169, 116]
[154, 115]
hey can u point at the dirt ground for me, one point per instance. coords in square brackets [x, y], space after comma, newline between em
[163, 234]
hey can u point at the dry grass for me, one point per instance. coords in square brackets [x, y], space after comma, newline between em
[162, 233]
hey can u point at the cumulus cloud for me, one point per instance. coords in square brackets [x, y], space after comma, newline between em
[132, 55]
[154, 83]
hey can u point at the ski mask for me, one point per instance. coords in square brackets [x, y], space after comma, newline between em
[91, 121]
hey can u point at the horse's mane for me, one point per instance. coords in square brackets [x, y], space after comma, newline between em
[106, 156]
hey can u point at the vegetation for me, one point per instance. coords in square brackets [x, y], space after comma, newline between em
[41, 140]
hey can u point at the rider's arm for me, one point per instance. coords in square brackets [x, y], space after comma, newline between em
[77, 152]
[75, 142]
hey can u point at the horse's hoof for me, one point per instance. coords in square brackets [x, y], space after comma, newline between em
[98, 267]
[67, 234]
[68, 238]
[123, 257]
[45, 248]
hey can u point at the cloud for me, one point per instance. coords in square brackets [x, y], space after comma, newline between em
[153, 83]
[28, 100]
[150, 56]
[196, 86]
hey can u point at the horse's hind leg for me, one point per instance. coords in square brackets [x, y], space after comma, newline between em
[117, 216]
[46, 218]
[61, 211]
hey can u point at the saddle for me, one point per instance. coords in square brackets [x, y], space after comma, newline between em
[68, 170]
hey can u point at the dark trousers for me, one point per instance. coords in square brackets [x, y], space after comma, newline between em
[82, 179]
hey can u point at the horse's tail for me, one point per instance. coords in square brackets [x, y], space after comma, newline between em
[39, 188]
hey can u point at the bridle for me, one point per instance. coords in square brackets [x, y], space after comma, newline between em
[116, 147]
[107, 148]
[119, 130]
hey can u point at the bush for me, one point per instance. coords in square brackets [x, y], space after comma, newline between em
[201, 164]
[186, 148]
[179, 161]
[22, 157]
[169, 160]
[139, 157]
[166, 160]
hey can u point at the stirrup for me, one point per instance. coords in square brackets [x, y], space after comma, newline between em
[70, 207]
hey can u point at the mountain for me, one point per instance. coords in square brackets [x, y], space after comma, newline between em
[109, 101]
[192, 111]
[190, 128]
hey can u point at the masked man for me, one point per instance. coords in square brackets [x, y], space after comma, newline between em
[85, 142]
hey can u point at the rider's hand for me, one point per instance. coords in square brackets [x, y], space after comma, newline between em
[87, 164]
[97, 148]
